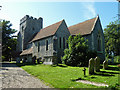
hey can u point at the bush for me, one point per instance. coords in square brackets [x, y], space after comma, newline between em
[77, 54]
[117, 59]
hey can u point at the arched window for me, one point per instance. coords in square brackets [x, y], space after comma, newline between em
[60, 41]
[46, 45]
[33, 28]
[38, 46]
[99, 42]
[63, 42]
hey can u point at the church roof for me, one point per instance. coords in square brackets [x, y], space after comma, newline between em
[47, 31]
[27, 51]
[83, 28]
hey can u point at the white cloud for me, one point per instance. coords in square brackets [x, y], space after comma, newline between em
[89, 10]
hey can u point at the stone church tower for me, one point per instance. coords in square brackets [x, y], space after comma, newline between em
[29, 27]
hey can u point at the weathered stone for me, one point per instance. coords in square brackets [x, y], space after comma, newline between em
[91, 66]
[97, 64]
[105, 64]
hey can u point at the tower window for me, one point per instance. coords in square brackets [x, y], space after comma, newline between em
[46, 45]
[22, 28]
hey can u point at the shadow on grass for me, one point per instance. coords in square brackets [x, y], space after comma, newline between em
[109, 72]
[24, 64]
[77, 79]
[8, 64]
[113, 68]
[60, 65]
[103, 73]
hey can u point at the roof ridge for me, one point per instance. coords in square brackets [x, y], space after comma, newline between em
[84, 28]
[43, 30]
[95, 22]
[52, 24]
[82, 22]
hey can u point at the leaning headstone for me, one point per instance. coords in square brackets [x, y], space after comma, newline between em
[97, 64]
[105, 64]
[91, 66]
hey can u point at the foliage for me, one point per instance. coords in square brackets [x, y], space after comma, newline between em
[77, 53]
[8, 42]
[112, 39]
[117, 59]
[64, 77]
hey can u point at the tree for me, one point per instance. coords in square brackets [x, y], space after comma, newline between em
[77, 53]
[8, 42]
[112, 39]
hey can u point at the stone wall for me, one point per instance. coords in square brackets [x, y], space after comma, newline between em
[53, 46]
[62, 32]
[94, 40]
[42, 47]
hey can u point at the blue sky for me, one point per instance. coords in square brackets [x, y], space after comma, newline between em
[52, 12]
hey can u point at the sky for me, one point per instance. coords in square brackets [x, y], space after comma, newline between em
[54, 11]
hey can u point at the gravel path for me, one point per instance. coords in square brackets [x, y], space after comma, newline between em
[15, 77]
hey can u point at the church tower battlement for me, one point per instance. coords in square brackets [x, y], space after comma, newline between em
[29, 26]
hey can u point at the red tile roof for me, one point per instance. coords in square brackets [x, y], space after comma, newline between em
[27, 51]
[48, 31]
[83, 28]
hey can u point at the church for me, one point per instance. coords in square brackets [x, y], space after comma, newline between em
[48, 44]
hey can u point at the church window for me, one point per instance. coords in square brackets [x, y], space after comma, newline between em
[38, 46]
[67, 45]
[33, 28]
[60, 41]
[46, 45]
[99, 39]
[63, 42]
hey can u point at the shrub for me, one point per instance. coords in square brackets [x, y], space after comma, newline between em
[77, 54]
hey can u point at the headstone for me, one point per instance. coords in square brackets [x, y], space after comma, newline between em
[34, 60]
[105, 64]
[17, 60]
[38, 60]
[112, 60]
[109, 61]
[97, 64]
[91, 66]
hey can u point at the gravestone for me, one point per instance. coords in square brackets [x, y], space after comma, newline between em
[91, 66]
[34, 60]
[105, 64]
[17, 60]
[97, 64]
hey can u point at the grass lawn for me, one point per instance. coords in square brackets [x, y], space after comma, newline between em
[64, 76]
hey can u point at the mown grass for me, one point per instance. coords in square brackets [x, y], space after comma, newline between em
[65, 76]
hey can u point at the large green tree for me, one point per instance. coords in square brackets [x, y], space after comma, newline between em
[112, 39]
[77, 54]
[8, 42]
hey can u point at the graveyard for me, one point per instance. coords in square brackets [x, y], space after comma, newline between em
[63, 76]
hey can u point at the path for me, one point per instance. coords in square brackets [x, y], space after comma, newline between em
[15, 77]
